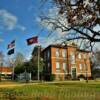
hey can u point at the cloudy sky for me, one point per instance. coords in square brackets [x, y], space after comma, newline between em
[19, 21]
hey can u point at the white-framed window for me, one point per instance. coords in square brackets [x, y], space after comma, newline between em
[64, 53]
[81, 67]
[79, 56]
[85, 55]
[57, 66]
[72, 58]
[64, 67]
[57, 53]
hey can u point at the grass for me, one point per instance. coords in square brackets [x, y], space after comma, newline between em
[68, 90]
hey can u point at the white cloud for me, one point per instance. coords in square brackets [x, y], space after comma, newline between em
[8, 21]
[54, 17]
[44, 41]
[1, 40]
[22, 28]
[97, 28]
[54, 38]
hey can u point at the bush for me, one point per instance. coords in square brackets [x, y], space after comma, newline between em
[81, 76]
[69, 77]
[50, 77]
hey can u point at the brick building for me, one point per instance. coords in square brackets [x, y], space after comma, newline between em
[63, 60]
[5, 72]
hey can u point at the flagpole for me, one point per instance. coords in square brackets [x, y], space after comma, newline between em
[12, 65]
[38, 63]
[31, 41]
[13, 71]
[10, 52]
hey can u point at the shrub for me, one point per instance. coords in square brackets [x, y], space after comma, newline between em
[50, 77]
[81, 76]
[69, 77]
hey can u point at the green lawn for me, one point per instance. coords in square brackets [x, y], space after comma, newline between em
[68, 90]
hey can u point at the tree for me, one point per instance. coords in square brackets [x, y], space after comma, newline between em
[30, 66]
[80, 16]
[18, 63]
[1, 58]
[19, 69]
[1, 62]
[97, 54]
[95, 63]
[19, 58]
[34, 61]
[96, 58]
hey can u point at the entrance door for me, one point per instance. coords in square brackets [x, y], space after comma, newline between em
[74, 73]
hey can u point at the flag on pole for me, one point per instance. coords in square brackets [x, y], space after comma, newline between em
[11, 45]
[11, 51]
[32, 40]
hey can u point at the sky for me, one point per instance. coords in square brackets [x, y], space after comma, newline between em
[19, 21]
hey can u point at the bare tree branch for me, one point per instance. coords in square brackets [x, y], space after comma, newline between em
[76, 16]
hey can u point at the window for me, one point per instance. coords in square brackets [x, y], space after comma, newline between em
[74, 72]
[57, 66]
[79, 56]
[64, 53]
[64, 67]
[48, 54]
[84, 55]
[81, 67]
[48, 65]
[72, 58]
[44, 55]
[84, 66]
[57, 52]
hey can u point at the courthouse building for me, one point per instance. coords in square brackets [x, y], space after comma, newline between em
[64, 60]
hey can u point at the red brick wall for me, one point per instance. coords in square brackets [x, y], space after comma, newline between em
[67, 60]
[5, 69]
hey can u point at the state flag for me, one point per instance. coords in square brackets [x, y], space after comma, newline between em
[10, 52]
[11, 45]
[32, 40]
